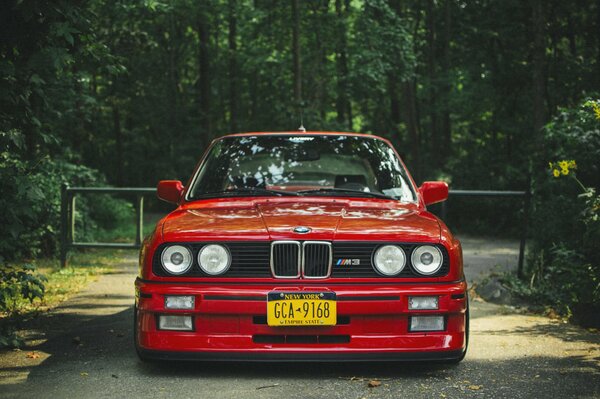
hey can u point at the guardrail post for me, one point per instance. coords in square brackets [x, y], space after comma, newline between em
[64, 210]
[526, 205]
[444, 210]
[139, 215]
[71, 237]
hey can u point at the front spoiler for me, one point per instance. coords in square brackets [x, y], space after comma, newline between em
[440, 356]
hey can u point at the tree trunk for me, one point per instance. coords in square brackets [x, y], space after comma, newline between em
[204, 79]
[446, 128]
[341, 62]
[394, 101]
[409, 93]
[433, 134]
[597, 82]
[173, 81]
[233, 78]
[297, 66]
[119, 145]
[538, 64]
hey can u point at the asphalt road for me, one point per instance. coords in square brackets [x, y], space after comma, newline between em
[87, 352]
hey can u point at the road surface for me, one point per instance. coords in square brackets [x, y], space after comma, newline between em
[87, 352]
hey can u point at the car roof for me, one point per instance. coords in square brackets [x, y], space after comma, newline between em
[302, 133]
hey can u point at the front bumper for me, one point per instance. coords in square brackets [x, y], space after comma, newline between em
[230, 324]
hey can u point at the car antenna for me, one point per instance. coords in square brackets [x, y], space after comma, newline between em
[302, 128]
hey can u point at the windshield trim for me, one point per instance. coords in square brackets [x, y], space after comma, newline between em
[409, 178]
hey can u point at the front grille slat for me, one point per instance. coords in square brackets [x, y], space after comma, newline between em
[285, 259]
[317, 259]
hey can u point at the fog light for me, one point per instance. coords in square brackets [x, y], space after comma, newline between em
[423, 302]
[427, 323]
[172, 322]
[179, 302]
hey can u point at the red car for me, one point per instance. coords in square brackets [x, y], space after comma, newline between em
[301, 246]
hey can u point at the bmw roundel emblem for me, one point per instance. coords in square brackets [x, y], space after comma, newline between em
[302, 230]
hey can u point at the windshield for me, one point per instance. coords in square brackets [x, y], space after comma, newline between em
[302, 165]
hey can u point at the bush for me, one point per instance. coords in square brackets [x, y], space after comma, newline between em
[564, 270]
[19, 283]
[31, 201]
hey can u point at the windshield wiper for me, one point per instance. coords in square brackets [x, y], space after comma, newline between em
[346, 191]
[245, 191]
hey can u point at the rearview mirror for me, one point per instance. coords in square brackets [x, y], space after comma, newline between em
[169, 190]
[434, 192]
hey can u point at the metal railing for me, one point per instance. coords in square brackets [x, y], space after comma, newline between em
[67, 218]
[68, 203]
[493, 193]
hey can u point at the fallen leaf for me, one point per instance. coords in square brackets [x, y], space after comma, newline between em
[76, 340]
[475, 387]
[33, 355]
[374, 383]
[442, 395]
[268, 386]
[84, 374]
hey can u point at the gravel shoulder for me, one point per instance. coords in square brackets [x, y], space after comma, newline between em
[84, 349]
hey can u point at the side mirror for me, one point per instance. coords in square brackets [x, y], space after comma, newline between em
[169, 190]
[434, 192]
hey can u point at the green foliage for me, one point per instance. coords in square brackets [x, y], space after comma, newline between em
[18, 283]
[562, 278]
[31, 201]
[564, 268]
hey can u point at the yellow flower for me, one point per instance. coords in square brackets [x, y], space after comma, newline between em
[556, 172]
[565, 171]
[572, 164]
[596, 110]
[563, 164]
[550, 165]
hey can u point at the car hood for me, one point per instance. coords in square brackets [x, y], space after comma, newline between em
[327, 219]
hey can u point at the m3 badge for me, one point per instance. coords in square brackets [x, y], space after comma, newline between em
[347, 262]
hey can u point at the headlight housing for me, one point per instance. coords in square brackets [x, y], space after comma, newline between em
[427, 259]
[176, 259]
[214, 259]
[389, 260]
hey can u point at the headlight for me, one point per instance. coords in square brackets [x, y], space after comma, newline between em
[214, 259]
[427, 259]
[176, 259]
[389, 260]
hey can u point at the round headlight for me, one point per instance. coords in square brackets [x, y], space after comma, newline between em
[389, 260]
[176, 259]
[214, 259]
[427, 259]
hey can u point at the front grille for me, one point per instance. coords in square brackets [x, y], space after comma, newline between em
[321, 259]
[248, 259]
[316, 259]
[285, 259]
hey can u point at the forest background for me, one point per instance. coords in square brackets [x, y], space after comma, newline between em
[485, 94]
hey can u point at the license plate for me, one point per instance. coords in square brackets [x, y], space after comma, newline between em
[301, 309]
